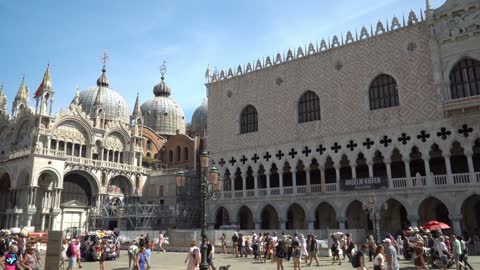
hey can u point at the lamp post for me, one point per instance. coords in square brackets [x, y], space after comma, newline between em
[209, 185]
[371, 207]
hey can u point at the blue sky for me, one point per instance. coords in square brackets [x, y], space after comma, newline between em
[188, 35]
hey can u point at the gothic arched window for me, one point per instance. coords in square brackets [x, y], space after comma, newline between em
[383, 92]
[179, 153]
[249, 120]
[465, 79]
[185, 154]
[308, 107]
[149, 145]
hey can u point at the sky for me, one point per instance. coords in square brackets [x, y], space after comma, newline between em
[139, 35]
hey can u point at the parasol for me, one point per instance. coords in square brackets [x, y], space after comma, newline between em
[432, 225]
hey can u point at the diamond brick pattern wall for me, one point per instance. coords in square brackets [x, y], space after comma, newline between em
[343, 93]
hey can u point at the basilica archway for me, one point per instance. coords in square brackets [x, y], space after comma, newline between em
[357, 218]
[295, 217]
[45, 200]
[325, 217]
[471, 214]
[4, 199]
[245, 218]
[269, 218]
[433, 209]
[394, 218]
[221, 217]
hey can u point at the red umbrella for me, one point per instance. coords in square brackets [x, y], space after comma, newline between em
[432, 225]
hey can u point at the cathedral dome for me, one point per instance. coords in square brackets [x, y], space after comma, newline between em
[199, 118]
[162, 113]
[114, 105]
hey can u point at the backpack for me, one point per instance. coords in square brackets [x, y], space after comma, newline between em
[234, 238]
[297, 252]
[69, 251]
[356, 260]
[196, 256]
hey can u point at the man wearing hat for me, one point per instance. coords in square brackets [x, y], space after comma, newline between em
[391, 255]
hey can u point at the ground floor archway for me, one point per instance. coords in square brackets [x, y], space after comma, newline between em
[295, 217]
[471, 214]
[245, 218]
[325, 217]
[221, 217]
[4, 198]
[357, 218]
[394, 218]
[269, 218]
[433, 209]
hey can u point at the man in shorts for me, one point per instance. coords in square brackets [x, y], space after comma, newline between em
[132, 255]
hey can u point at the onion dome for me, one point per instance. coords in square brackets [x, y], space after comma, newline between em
[163, 114]
[114, 105]
[199, 118]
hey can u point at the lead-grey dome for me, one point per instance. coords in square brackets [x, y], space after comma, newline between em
[114, 105]
[162, 113]
[199, 118]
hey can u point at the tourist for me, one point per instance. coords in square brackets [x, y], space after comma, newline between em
[132, 255]
[297, 255]
[148, 252]
[350, 246]
[372, 246]
[142, 262]
[280, 254]
[11, 258]
[103, 255]
[223, 241]
[234, 244]
[270, 246]
[391, 255]
[241, 245]
[161, 241]
[210, 255]
[30, 261]
[418, 254]
[312, 247]
[193, 257]
[79, 254]
[456, 252]
[379, 258]
[443, 252]
[72, 253]
[343, 246]
[358, 260]
[303, 246]
[255, 247]
[335, 249]
[464, 256]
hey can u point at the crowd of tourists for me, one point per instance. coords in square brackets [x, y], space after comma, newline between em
[17, 249]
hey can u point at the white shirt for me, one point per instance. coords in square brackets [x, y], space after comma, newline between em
[441, 247]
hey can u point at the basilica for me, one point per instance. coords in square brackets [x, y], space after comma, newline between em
[77, 167]
[375, 128]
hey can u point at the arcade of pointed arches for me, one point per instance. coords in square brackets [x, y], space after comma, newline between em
[330, 215]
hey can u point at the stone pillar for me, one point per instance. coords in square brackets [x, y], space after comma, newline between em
[8, 221]
[232, 186]
[457, 228]
[337, 176]
[61, 220]
[413, 220]
[49, 139]
[341, 223]
[283, 224]
[280, 182]
[267, 176]
[42, 227]
[322, 178]
[244, 185]
[449, 168]
[471, 169]
[258, 226]
[307, 179]
[294, 181]
[255, 184]
[29, 219]
[311, 224]
[354, 171]
[17, 216]
[428, 174]
[370, 168]
[407, 172]
[388, 165]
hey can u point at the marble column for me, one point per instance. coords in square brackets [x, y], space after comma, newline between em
[322, 178]
[258, 226]
[280, 182]
[428, 174]
[413, 220]
[244, 185]
[283, 224]
[354, 171]
[307, 179]
[17, 217]
[407, 172]
[457, 228]
[471, 169]
[311, 224]
[267, 176]
[449, 168]
[370, 168]
[341, 223]
[388, 165]
[294, 181]
[42, 227]
[255, 184]
[337, 176]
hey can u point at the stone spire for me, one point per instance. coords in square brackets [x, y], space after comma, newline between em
[136, 109]
[22, 94]
[3, 101]
[46, 85]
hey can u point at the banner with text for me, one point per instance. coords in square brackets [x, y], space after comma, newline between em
[364, 183]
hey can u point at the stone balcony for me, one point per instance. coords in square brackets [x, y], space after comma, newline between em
[452, 106]
[73, 161]
[395, 184]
